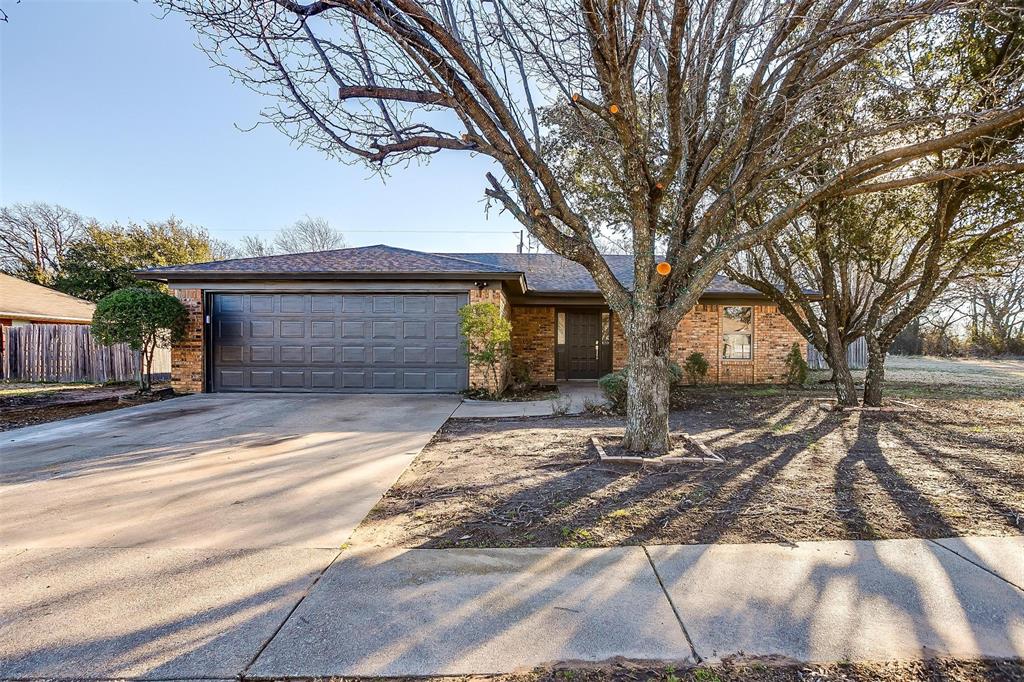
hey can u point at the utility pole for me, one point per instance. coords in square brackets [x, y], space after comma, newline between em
[520, 241]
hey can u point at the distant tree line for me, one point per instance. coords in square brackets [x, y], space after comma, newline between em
[982, 316]
[55, 246]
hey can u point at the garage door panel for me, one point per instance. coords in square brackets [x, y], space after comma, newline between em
[294, 303]
[444, 329]
[352, 303]
[230, 303]
[230, 354]
[353, 329]
[338, 342]
[322, 329]
[323, 303]
[446, 304]
[322, 354]
[229, 329]
[322, 379]
[261, 329]
[261, 304]
[261, 354]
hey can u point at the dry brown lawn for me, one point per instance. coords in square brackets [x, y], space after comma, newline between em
[793, 472]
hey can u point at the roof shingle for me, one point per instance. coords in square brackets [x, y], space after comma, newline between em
[544, 272]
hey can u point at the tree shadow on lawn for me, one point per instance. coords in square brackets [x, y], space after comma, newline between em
[793, 473]
[551, 490]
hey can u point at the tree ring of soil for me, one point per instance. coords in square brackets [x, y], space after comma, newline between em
[686, 449]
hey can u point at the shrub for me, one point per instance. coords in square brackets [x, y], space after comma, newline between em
[696, 367]
[614, 388]
[615, 385]
[519, 372]
[796, 367]
[143, 318]
[488, 340]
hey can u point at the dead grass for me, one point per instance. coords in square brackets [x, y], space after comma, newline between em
[30, 404]
[765, 670]
[793, 472]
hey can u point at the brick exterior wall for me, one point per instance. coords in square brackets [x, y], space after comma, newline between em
[188, 356]
[479, 376]
[700, 330]
[533, 341]
[774, 337]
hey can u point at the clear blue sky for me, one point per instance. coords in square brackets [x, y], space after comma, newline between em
[113, 112]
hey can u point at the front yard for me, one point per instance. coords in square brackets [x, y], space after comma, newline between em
[793, 472]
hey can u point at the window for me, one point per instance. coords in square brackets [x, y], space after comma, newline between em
[737, 332]
[560, 329]
[606, 328]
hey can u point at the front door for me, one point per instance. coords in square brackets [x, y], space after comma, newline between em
[583, 337]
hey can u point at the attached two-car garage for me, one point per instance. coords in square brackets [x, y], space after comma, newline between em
[337, 342]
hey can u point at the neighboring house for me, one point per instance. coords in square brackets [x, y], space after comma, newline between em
[24, 303]
[379, 318]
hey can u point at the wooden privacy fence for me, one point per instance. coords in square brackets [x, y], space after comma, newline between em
[856, 356]
[67, 352]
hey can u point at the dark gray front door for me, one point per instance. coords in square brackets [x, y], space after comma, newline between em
[583, 336]
[333, 342]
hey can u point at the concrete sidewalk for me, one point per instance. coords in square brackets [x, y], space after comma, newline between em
[185, 613]
[573, 397]
[454, 612]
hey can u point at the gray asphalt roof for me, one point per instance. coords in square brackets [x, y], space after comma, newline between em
[544, 272]
[548, 272]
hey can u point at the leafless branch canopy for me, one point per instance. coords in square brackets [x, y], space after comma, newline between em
[693, 111]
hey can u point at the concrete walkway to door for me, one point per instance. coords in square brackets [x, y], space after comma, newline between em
[171, 540]
[573, 398]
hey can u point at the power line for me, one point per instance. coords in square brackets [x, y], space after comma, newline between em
[383, 231]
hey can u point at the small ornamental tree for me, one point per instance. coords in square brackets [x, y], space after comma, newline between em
[145, 319]
[488, 340]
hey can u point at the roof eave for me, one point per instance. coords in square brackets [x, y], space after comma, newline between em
[208, 275]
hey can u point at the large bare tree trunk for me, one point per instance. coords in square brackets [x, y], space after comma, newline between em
[846, 391]
[875, 378]
[647, 396]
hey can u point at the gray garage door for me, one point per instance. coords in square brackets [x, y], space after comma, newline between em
[388, 342]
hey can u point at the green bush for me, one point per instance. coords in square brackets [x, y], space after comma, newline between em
[615, 385]
[144, 318]
[614, 388]
[488, 340]
[796, 367]
[696, 367]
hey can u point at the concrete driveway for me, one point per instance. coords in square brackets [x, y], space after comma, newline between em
[172, 540]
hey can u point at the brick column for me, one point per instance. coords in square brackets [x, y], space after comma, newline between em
[189, 355]
[479, 377]
[533, 341]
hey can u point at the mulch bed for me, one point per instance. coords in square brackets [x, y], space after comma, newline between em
[793, 472]
[515, 395]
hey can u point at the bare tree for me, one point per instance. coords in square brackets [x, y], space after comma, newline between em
[879, 260]
[254, 246]
[692, 109]
[308, 234]
[34, 238]
[998, 305]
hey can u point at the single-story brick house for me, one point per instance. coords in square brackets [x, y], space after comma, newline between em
[380, 318]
